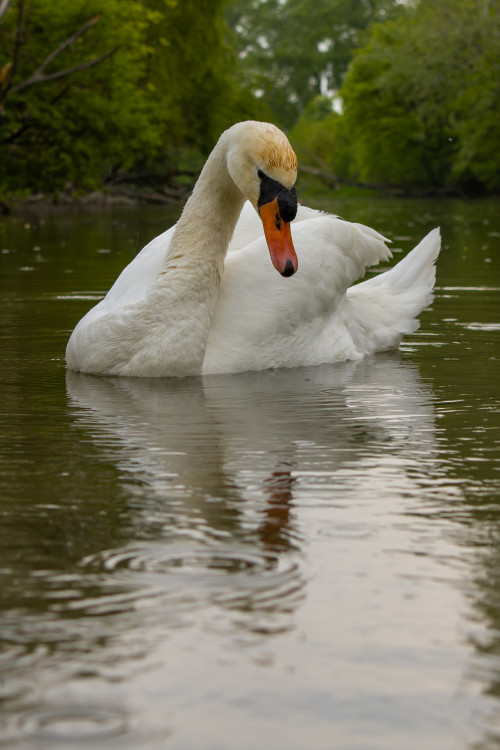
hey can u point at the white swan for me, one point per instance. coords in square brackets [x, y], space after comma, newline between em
[182, 307]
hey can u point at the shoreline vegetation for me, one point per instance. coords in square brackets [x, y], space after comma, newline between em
[121, 101]
[132, 195]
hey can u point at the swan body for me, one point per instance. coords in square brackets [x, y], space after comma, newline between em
[204, 298]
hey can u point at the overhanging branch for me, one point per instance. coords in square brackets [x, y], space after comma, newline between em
[68, 42]
[39, 77]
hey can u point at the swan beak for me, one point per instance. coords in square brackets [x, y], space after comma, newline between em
[278, 238]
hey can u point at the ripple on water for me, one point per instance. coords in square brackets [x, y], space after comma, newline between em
[482, 326]
[187, 575]
[74, 724]
[17, 662]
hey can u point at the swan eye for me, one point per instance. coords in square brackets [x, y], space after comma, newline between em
[261, 175]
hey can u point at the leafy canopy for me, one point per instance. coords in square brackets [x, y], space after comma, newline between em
[291, 51]
[77, 126]
[96, 91]
[142, 80]
[422, 99]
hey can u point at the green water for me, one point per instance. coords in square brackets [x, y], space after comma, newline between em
[292, 559]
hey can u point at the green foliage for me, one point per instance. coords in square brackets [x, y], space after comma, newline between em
[422, 99]
[293, 51]
[74, 128]
[192, 72]
[165, 86]
[147, 86]
[319, 140]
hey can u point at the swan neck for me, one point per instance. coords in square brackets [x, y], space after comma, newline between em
[207, 223]
[187, 285]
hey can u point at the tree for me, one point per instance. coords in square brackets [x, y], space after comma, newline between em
[72, 101]
[294, 50]
[192, 72]
[8, 72]
[93, 90]
[422, 99]
[320, 143]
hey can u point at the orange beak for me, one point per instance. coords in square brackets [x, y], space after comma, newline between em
[278, 238]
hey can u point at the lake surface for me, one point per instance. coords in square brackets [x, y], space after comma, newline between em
[300, 559]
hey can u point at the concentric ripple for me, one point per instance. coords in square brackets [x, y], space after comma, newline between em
[75, 724]
[192, 574]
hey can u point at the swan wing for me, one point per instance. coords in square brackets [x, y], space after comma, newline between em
[264, 320]
[379, 311]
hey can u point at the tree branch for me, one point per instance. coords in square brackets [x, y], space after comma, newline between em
[39, 77]
[67, 42]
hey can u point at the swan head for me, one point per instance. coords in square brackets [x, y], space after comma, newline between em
[263, 165]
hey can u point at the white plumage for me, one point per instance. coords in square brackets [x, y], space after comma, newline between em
[263, 320]
[184, 307]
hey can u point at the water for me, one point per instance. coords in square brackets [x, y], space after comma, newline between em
[292, 559]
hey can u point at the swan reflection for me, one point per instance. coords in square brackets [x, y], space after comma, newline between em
[234, 453]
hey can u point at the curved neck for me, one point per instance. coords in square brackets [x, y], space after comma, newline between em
[204, 230]
[188, 282]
